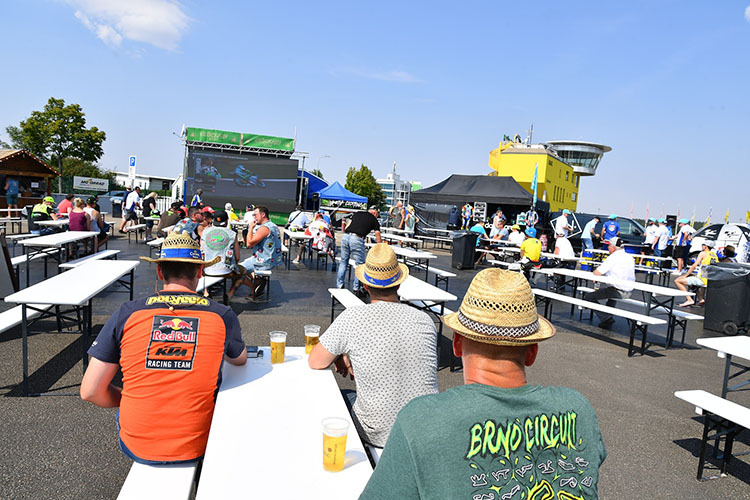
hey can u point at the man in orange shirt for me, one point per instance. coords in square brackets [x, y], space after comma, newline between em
[170, 347]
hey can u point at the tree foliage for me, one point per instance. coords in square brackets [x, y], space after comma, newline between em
[317, 172]
[58, 132]
[362, 182]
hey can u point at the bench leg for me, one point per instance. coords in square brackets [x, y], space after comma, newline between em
[632, 338]
[704, 440]
[25, 349]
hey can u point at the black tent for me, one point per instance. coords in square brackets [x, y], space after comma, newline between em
[433, 203]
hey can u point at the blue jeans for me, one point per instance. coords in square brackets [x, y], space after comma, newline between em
[587, 243]
[126, 451]
[351, 246]
[657, 252]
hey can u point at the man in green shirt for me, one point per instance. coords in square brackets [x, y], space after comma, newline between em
[494, 437]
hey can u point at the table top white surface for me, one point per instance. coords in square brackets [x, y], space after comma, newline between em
[393, 230]
[637, 285]
[436, 230]
[414, 289]
[10, 219]
[77, 286]
[297, 235]
[736, 346]
[266, 438]
[54, 223]
[57, 239]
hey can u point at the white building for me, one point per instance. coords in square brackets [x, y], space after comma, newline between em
[395, 189]
[145, 182]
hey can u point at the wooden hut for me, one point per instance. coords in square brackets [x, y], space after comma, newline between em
[34, 176]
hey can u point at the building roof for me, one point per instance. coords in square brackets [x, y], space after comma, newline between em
[604, 148]
[36, 165]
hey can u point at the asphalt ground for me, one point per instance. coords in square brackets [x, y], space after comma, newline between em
[60, 447]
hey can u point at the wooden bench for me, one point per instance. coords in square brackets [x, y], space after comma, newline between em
[344, 297]
[135, 229]
[637, 321]
[104, 254]
[165, 482]
[725, 417]
[154, 245]
[441, 276]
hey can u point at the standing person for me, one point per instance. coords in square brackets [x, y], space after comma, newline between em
[651, 233]
[264, 242]
[396, 215]
[372, 340]
[483, 241]
[682, 244]
[149, 205]
[230, 213]
[41, 212]
[132, 203]
[662, 238]
[11, 193]
[459, 444]
[165, 379]
[467, 213]
[353, 240]
[562, 226]
[498, 223]
[410, 222]
[589, 233]
[97, 222]
[610, 229]
[221, 241]
[65, 206]
[620, 265]
[197, 200]
[706, 257]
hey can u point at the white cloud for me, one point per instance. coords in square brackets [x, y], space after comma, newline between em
[747, 14]
[387, 76]
[157, 22]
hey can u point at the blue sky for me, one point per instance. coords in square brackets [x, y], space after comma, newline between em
[431, 85]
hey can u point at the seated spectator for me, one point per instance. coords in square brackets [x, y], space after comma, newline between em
[298, 219]
[65, 206]
[516, 236]
[97, 222]
[496, 434]
[170, 218]
[531, 252]
[620, 265]
[390, 347]
[482, 240]
[706, 257]
[78, 219]
[727, 255]
[410, 222]
[322, 233]
[221, 241]
[498, 230]
[230, 212]
[41, 212]
[264, 242]
[190, 223]
[208, 218]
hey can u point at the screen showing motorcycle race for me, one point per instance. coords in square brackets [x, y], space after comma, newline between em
[241, 179]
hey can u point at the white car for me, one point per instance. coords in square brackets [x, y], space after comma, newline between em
[737, 235]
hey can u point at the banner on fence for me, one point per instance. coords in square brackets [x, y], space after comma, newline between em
[91, 183]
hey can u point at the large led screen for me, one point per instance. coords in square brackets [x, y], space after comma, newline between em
[241, 179]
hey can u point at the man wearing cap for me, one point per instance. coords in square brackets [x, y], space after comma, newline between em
[207, 213]
[170, 347]
[621, 265]
[610, 229]
[682, 243]
[221, 241]
[531, 252]
[230, 212]
[197, 200]
[516, 236]
[42, 211]
[169, 218]
[662, 238]
[386, 346]
[706, 257]
[496, 436]
[353, 240]
[561, 224]
[589, 233]
[132, 202]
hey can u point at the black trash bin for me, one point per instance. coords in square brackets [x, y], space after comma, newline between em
[727, 298]
[464, 244]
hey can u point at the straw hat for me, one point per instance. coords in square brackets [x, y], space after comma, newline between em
[499, 308]
[180, 247]
[381, 268]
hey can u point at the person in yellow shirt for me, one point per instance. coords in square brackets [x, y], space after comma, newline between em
[705, 258]
[531, 251]
[230, 211]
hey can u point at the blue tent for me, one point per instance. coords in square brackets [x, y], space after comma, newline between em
[338, 192]
[314, 184]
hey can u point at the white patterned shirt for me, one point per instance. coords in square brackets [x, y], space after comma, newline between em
[392, 348]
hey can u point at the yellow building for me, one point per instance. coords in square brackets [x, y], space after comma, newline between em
[561, 164]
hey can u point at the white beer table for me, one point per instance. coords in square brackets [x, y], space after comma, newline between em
[13, 221]
[266, 438]
[76, 289]
[33, 246]
[728, 347]
[393, 230]
[296, 237]
[418, 258]
[59, 223]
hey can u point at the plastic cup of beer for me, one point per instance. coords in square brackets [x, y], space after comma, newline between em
[312, 335]
[278, 345]
[334, 443]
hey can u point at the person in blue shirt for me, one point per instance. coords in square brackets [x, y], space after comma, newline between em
[11, 192]
[197, 200]
[589, 233]
[482, 241]
[610, 229]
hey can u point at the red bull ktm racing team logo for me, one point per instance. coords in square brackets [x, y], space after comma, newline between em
[172, 343]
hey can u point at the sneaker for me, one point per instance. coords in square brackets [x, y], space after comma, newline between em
[605, 324]
[295, 261]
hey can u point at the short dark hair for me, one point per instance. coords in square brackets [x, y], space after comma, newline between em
[193, 210]
[178, 270]
[69, 196]
[263, 210]
[176, 204]
[91, 201]
[729, 251]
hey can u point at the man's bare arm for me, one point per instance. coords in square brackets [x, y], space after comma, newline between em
[239, 360]
[96, 386]
[260, 235]
[377, 237]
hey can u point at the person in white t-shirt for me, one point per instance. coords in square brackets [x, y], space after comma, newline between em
[662, 238]
[132, 202]
[561, 223]
[516, 236]
[650, 234]
[682, 241]
[563, 248]
[619, 265]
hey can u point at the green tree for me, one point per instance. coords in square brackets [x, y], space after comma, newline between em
[317, 172]
[362, 182]
[58, 132]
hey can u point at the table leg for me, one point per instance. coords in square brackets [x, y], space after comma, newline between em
[25, 348]
[86, 331]
[727, 367]
[25, 251]
[132, 282]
